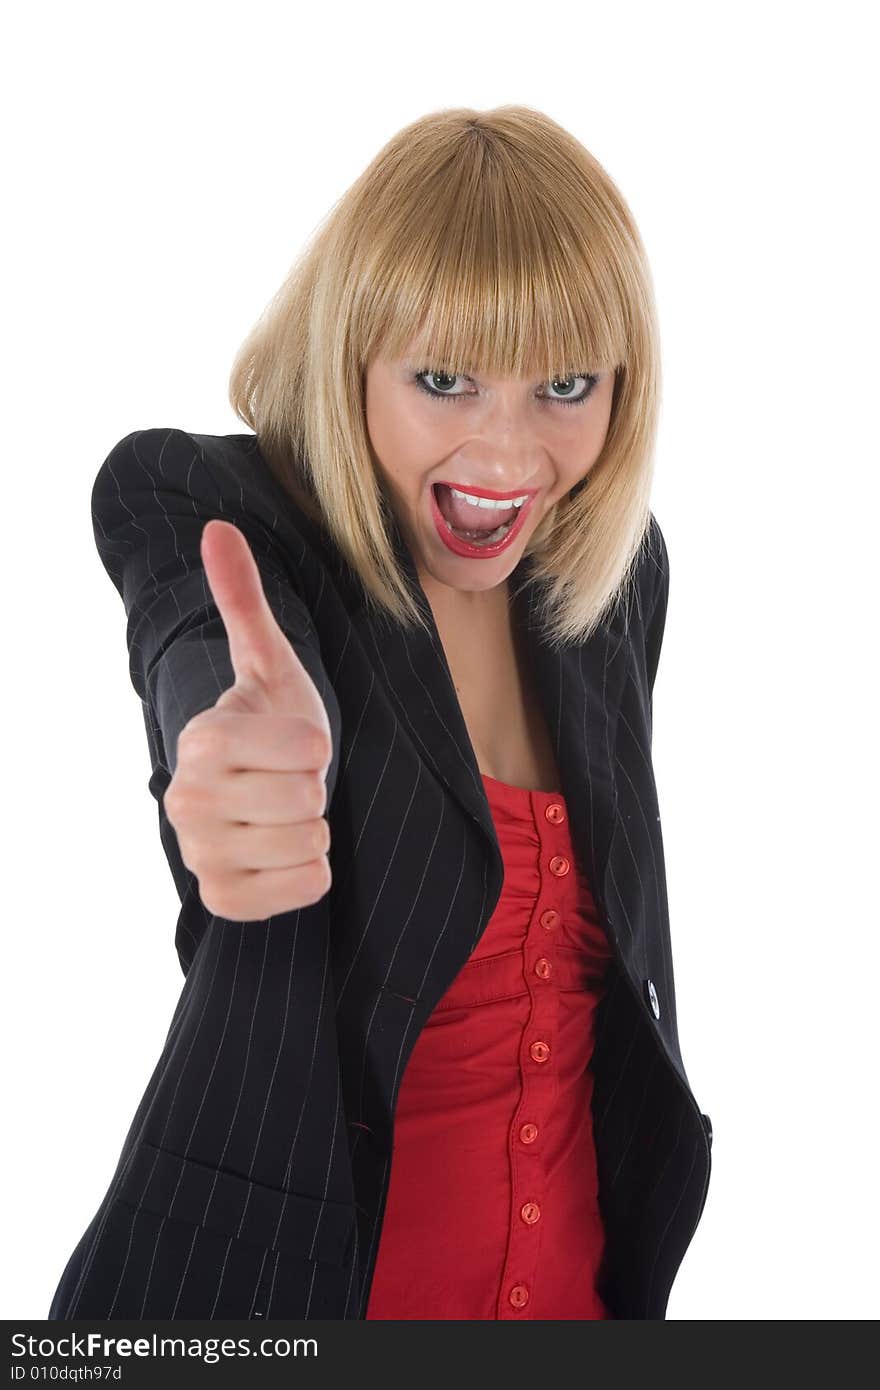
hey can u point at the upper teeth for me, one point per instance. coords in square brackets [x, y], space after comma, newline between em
[487, 501]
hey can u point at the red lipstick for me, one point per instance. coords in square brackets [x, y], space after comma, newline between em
[489, 492]
[464, 548]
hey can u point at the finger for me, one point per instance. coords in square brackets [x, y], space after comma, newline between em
[228, 741]
[258, 648]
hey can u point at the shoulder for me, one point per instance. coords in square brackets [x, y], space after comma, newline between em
[658, 556]
[208, 466]
[160, 484]
[214, 474]
[653, 569]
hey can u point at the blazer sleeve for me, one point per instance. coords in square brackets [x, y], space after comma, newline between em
[150, 501]
[656, 619]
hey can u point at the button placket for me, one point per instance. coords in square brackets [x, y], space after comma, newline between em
[538, 1070]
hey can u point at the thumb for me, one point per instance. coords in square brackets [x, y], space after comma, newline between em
[258, 648]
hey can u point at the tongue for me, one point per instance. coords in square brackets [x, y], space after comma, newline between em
[469, 518]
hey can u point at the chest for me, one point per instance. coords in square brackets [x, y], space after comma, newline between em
[499, 704]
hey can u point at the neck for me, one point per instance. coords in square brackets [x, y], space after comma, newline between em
[475, 628]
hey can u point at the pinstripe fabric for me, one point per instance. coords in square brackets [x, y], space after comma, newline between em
[253, 1177]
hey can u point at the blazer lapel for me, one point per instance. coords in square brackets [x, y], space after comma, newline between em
[579, 690]
[418, 676]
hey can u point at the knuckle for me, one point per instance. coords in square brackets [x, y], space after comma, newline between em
[326, 875]
[306, 885]
[183, 802]
[314, 839]
[175, 797]
[192, 852]
[212, 900]
[222, 899]
[321, 876]
[320, 791]
[309, 796]
[170, 801]
[198, 743]
[311, 882]
[320, 749]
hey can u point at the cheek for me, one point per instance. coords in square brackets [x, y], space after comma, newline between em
[379, 418]
[398, 431]
[573, 462]
[409, 446]
[577, 452]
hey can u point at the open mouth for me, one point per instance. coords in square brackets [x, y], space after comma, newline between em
[449, 514]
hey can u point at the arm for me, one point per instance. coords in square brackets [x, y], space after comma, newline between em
[150, 502]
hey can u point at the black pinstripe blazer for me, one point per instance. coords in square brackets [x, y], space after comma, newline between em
[253, 1177]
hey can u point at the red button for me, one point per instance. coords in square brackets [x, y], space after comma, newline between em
[540, 1051]
[528, 1133]
[555, 813]
[549, 918]
[559, 865]
[518, 1296]
[530, 1211]
[543, 968]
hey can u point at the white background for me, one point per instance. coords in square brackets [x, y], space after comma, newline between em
[163, 167]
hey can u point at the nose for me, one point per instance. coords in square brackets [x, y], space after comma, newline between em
[502, 450]
[505, 465]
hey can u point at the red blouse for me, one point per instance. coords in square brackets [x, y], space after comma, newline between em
[492, 1208]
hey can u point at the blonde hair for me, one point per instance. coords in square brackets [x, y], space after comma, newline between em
[497, 242]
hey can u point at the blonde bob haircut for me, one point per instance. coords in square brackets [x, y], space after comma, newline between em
[494, 242]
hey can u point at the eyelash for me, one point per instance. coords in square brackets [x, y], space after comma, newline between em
[590, 377]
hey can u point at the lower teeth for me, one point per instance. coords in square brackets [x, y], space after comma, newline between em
[483, 537]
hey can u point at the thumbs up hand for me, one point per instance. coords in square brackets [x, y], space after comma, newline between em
[248, 795]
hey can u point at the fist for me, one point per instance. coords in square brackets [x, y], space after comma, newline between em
[248, 795]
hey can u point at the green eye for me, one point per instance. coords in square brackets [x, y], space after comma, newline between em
[566, 383]
[438, 378]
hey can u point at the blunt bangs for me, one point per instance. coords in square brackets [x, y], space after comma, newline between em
[491, 272]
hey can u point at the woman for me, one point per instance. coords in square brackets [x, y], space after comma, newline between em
[400, 741]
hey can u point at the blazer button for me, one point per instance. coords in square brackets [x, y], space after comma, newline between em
[559, 865]
[539, 1051]
[549, 918]
[555, 813]
[652, 998]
